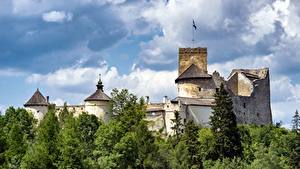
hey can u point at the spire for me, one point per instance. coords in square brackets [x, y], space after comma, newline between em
[100, 84]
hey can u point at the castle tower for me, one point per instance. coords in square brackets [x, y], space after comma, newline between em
[193, 80]
[98, 102]
[189, 56]
[38, 105]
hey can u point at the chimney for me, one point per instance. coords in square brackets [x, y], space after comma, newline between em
[147, 100]
[47, 97]
[165, 99]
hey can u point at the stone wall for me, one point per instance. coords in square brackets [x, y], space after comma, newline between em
[256, 108]
[38, 111]
[188, 56]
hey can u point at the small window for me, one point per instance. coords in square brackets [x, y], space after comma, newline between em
[244, 105]
[38, 111]
[199, 88]
[217, 89]
[257, 114]
[167, 106]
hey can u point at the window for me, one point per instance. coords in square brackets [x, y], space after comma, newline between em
[244, 105]
[217, 89]
[257, 114]
[199, 88]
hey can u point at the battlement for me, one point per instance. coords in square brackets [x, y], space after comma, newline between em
[189, 56]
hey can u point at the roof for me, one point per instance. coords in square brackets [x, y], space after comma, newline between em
[251, 74]
[194, 101]
[37, 99]
[193, 72]
[98, 95]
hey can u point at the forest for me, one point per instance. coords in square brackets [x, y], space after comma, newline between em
[63, 141]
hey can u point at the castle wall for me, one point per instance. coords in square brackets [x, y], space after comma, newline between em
[38, 111]
[256, 108]
[98, 108]
[188, 56]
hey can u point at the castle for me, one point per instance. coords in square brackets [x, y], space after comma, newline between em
[248, 88]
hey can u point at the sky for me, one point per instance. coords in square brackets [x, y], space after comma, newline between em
[60, 46]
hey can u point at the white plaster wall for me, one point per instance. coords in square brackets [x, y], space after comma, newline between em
[38, 111]
[98, 108]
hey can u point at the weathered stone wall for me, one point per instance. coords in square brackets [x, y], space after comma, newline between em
[256, 108]
[188, 56]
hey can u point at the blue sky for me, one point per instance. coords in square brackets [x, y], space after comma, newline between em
[62, 46]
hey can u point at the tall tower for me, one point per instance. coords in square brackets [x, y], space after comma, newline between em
[38, 105]
[98, 102]
[189, 56]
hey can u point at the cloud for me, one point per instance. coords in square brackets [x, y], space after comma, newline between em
[57, 16]
[2, 109]
[11, 72]
[80, 81]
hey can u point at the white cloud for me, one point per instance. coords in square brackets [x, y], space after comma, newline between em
[57, 16]
[2, 109]
[58, 102]
[11, 72]
[142, 82]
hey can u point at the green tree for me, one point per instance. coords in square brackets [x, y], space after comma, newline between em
[69, 146]
[63, 115]
[44, 153]
[224, 126]
[296, 122]
[18, 126]
[87, 128]
[190, 137]
[177, 126]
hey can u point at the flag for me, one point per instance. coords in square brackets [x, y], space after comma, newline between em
[194, 25]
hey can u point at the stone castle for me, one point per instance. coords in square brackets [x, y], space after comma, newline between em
[248, 88]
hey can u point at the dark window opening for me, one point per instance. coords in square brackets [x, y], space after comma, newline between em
[244, 105]
[199, 88]
[257, 114]
[217, 89]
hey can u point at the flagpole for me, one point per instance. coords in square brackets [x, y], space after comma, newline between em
[193, 35]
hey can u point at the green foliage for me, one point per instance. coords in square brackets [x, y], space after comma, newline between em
[177, 126]
[224, 126]
[45, 144]
[69, 145]
[125, 141]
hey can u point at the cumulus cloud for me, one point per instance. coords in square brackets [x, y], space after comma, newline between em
[82, 80]
[57, 16]
[2, 109]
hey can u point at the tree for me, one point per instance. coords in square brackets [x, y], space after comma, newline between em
[44, 153]
[63, 114]
[177, 126]
[296, 122]
[87, 128]
[69, 146]
[224, 126]
[190, 137]
[18, 125]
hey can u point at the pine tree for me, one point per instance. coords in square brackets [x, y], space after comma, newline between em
[177, 126]
[224, 126]
[190, 137]
[296, 122]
